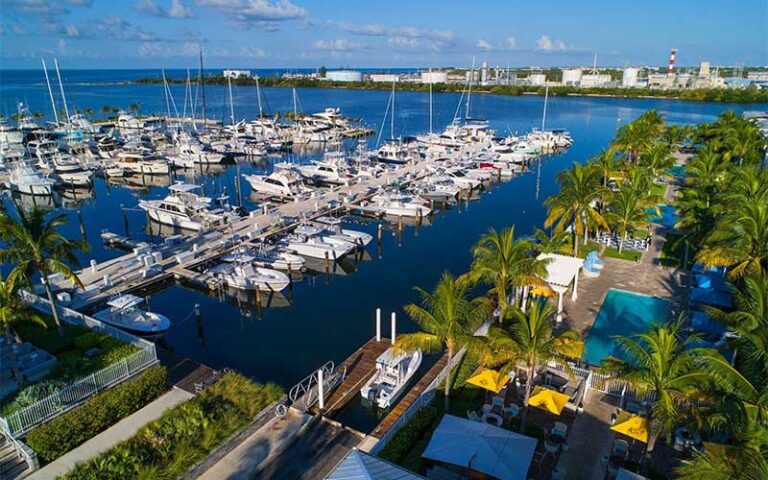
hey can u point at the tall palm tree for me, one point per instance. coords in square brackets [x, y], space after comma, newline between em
[505, 263]
[746, 461]
[608, 164]
[674, 136]
[14, 312]
[133, 108]
[527, 341]
[575, 204]
[627, 212]
[106, 109]
[631, 139]
[557, 242]
[657, 159]
[35, 244]
[447, 319]
[661, 364]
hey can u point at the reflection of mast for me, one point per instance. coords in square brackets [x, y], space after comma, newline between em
[202, 86]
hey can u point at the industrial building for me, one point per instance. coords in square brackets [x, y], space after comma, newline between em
[629, 78]
[434, 77]
[537, 79]
[383, 78]
[344, 76]
[572, 77]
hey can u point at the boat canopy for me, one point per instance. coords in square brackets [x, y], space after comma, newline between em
[183, 187]
[124, 301]
[391, 357]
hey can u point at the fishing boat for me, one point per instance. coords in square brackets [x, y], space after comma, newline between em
[270, 257]
[9, 136]
[307, 241]
[25, 179]
[241, 274]
[325, 172]
[394, 369]
[142, 163]
[125, 313]
[284, 184]
[191, 152]
[394, 153]
[398, 204]
[185, 209]
[332, 226]
[69, 171]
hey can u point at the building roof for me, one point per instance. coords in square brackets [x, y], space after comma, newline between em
[361, 466]
[561, 269]
[485, 448]
[627, 475]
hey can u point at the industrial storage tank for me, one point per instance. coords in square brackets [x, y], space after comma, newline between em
[629, 77]
[572, 76]
[538, 79]
[434, 77]
[344, 76]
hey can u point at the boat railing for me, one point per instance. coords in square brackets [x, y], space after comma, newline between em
[74, 394]
[305, 394]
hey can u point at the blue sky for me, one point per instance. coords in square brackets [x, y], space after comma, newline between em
[367, 33]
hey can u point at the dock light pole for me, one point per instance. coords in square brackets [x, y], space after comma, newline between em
[378, 324]
[394, 323]
[320, 388]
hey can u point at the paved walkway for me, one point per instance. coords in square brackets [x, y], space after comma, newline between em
[243, 462]
[122, 430]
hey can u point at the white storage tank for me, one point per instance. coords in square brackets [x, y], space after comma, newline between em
[434, 77]
[538, 79]
[571, 77]
[629, 77]
[344, 76]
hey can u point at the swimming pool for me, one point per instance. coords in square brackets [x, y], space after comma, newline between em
[622, 313]
[668, 217]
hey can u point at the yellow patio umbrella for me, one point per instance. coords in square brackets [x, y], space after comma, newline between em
[490, 380]
[548, 400]
[631, 425]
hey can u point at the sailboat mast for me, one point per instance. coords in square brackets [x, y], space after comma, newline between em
[392, 119]
[202, 87]
[430, 105]
[469, 91]
[165, 90]
[544, 114]
[231, 102]
[50, 92]
[258, 97]
[61, 87]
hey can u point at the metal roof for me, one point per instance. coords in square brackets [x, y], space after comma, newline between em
[362, 466]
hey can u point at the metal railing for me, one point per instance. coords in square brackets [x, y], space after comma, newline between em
[21, 421]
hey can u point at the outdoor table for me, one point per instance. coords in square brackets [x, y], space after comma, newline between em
[493, 419]
[553, 442]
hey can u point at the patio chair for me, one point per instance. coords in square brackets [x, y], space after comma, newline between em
[513, 410]
[620, 448]
[560, 429]
[497, 402]
[472, 415]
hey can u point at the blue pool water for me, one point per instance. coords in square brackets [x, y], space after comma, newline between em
[668, 217]
[622, 314]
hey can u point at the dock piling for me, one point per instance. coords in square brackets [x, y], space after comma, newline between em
[394, 323]
[378, 324]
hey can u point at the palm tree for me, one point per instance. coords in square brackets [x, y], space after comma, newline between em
[106, 109]
[528, 340]
[504, 263]
[657, 159]
[631, 139]
[627, 212]
[447, 319]
[89, 111]
[133, 108]
[574, 204]
[674, 136]
[746, 461]
[558, 242]
[13, 312]
[35, 244]
[662, 365]
[608, 164]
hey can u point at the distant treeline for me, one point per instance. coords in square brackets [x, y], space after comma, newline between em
[726, 95]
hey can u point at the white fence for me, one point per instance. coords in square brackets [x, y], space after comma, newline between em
[23, 420]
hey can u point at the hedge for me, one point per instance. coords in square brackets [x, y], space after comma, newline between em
[57, 437]
[409, 434]
[169, 446]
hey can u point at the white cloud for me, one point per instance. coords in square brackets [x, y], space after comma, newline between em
[177, 9]
[44, 7]
[404, 42]
[483, 45]
[510, 43]
[546, 44]
[378, 30]
[339, 45]
[261, 14]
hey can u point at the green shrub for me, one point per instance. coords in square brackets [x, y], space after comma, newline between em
[414, 430]
[170, 445]
[31, 394]
[55, 438]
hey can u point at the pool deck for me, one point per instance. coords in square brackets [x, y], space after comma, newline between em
[647, 276]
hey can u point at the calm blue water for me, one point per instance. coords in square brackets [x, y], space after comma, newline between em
[622, 314]
[327, 319]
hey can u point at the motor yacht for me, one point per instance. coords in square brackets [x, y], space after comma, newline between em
[142, 162]
[70, 171]
[185, 209]
[307, 241]
[394, 153]
[325, 172]
[25, 179]
[394, 369]
[269, 257]
[281, 183]
[332, 227]
[125, 313]
[191, 152]
[400, 204]
[9, 136]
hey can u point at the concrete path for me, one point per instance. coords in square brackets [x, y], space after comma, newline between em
[122, 430]
[265, 443]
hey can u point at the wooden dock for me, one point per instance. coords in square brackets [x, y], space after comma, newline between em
[361, 366]
[185, 373]
[413, 394]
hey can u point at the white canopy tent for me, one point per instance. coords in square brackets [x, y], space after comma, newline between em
[481, 447]
[561, 271]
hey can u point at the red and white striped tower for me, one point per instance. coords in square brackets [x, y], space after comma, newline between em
[671, 68]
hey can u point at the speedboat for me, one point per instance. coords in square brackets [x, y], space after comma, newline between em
[185, 209]
[25, 179]
[332, 225]
[399, 204]
[325, 172]
[192, 152]
[394, 369]
[242, 275]
[124, 312]
[70, 171]
[142, 162]
[285, 184]
[263, 256]
[394, 153]
[306, 241]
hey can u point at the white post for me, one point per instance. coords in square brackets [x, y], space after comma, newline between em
[378, 324]
[93, 265]
[574, 293]
[559, 307]
[320, 388]
[394, 322]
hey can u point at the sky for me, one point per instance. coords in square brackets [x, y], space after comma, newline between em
[374, 33]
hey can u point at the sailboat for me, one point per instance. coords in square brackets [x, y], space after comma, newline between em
[393, 151]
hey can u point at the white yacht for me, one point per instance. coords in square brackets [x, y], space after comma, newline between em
[399, 204]
[192, 152]
[9, 136]
[124, 312]
[325, 172]
[307, 241]
[106, 146]
[283, 183]
[142, 163]
[460, 178]
[42, 150]
[332, 226]
[184, 209]
[439, 188]
[70, 171]
[25, 179]
[269, 257]
[394, 369]
[393, 152]
[242, 275]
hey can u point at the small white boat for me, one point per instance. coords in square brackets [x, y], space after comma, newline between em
[460, 178]
[284, 184]
[325, 172]
[185, 209]
[124, 312]
[270, 257]
[242, 275]
[394, 369]
[142, 163]
[25, 179]
[70, 171]
[333, 227]
[400, 205]
[306, 241]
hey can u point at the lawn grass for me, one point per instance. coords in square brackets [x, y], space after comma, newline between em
[628, 255]
[590, 246]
